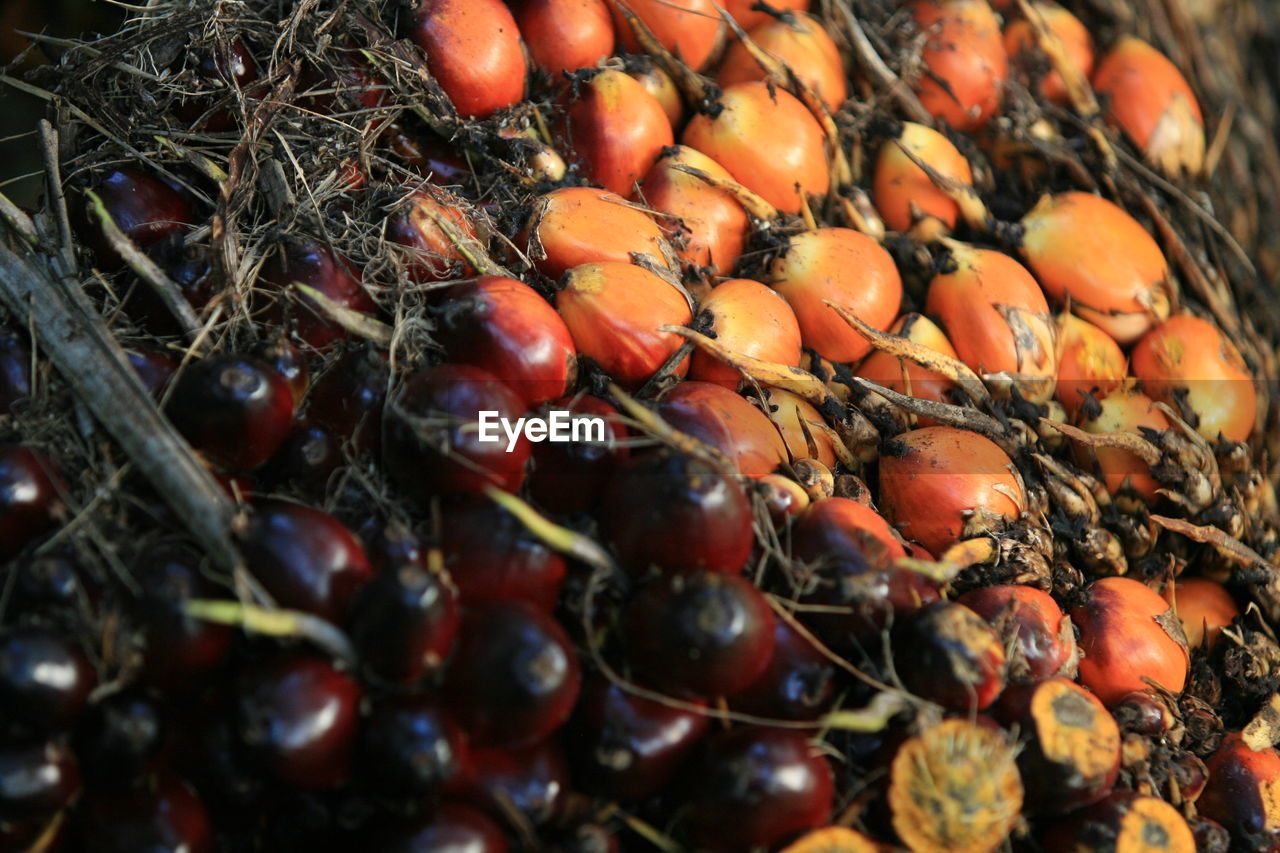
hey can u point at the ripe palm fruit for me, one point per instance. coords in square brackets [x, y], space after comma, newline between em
[691, 29]
[965, 61]
[1089, 362]
[798, 41]
[1123, 409]
[615, 129]
[473, 47]
[748, 319]
[707, 226]
[904, 375]
[1073, 39]
[904, 194]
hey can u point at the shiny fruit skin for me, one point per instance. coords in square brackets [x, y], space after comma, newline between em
[756, 787]
[615, 129]
[965, 60]
[348, 398]
[168, 817]
[1089, 361]
[410, 746]
[614, 311]
[1122, 410]
[749, 319]
[768, 141]
[648, 73]
[1086, 249]
[678, 513]
[235, 409]
[177, 647]
[706, 226]
[403, 623]
[30, 497]
[799, 683]
[45, 680]
[1124, 641]
[299, 715]
[898, 184]
[904, 375]
[691, 29]
[997, 319]
[1036, 633]
[491, 556]
[304, 557]
[1024, 54]
[514, 676]
[848, 268]
[1188, 355]
[433, 256]
[629, 746]
[528, 785]
[451, 827]
[698, 634]
[719, 417]
[788, 411]
[452, 460]
[942, 474]
[314, 265]
[581, 225]
[565, 35]
[146, 208]
[1240, 793]
[1205, 608]
[569, 477]
[473, 50]
[290, 362]
[950, 655]
[36, 780]
[505, 327]
[305, 461]
[1147, 97]
[749, 18]
[799, 42]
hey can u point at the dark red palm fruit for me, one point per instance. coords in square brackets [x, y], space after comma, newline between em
[15, 368]
[403, 623]
[452, 827]
[1071, 756]
[37, 779]
[1126, 821]
[211, 754]
[1240, 795]
[30, 497]
[614, 128]
[289, 362]
[305, 461]
[348, 398]
[799, 682]
[1128, 634]
[514, 676]
[1037, 636]
[569, 477]
[45, 680]
[154, 367]
[491, 556]
[121, 738]
[144, 207]
[626, 746]
[432, 433]
[848, 552]
[950, 655]
[474, 51]
[177, 648]
[390, 543]
[50, 584]
[304, 557]
[235, 409]
[416, 223]
[565, 35]
[757, 787]
[677, 512]
[186, 266]
[234, 67]
[410, 747]
[700, 634]
[299, 715]
[310, 263]
[1146, 712]
[344, 83]
[505, 327]
[531, 781]
[718, 416]
[165, 817]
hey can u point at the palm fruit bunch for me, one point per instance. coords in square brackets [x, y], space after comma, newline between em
[627, 425]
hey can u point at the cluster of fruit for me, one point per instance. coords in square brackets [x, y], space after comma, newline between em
[923, 502]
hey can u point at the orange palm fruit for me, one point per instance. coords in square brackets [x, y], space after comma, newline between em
[996, 317]
[581, 225]
[904, 375]
[903, 193]
[615, 129]
[1123, 409]
[750, 319]
[799, 42]
[1204, 606]
[707, 226]
[691, 29]
[1186, 358]
[749, 18]
[767, 140]
[848, 268]
[1084, 248]
[1146, 96]
[649, 74]
[719, 417]
[565, 35]
[794, 416]
[965, 64]
[473, 47]
[1089, 362]
[1025, 54]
